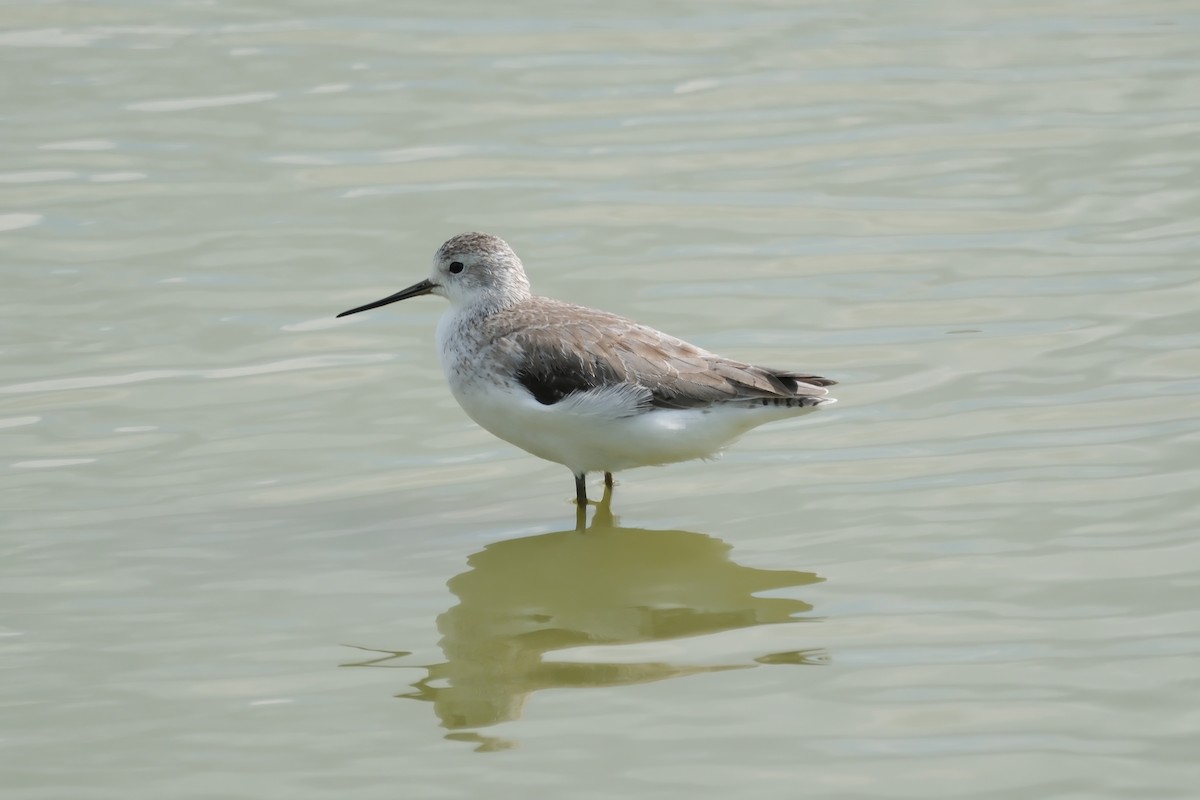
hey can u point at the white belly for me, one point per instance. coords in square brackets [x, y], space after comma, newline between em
[594, 442]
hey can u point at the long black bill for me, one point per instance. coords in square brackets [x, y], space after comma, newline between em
[416, 290]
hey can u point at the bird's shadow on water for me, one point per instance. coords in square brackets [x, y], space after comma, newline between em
[602, 585]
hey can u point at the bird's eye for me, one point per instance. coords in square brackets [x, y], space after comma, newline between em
[456, 267]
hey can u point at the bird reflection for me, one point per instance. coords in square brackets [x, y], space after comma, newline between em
[606, 585]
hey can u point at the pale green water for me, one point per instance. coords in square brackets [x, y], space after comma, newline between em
[974, 577]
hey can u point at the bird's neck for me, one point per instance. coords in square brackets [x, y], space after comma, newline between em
[492, 303]
[461, 322]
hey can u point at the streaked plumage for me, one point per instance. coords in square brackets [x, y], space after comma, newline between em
[585, 388]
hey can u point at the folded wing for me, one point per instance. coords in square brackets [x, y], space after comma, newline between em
[594, 350]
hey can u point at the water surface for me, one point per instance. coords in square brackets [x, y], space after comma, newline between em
[247, 550]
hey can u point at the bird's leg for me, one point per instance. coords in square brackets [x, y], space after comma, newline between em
[603, 518]
[580, 502]
[608, 481]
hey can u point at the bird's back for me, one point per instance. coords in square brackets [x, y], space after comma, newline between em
[557, 349]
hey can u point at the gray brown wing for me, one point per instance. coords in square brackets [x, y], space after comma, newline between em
[571, 349]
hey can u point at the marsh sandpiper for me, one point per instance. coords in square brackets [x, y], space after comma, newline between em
[584, 388]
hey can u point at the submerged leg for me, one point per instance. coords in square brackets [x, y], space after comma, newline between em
[608, 481]
[603, 518]
[580, 490]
